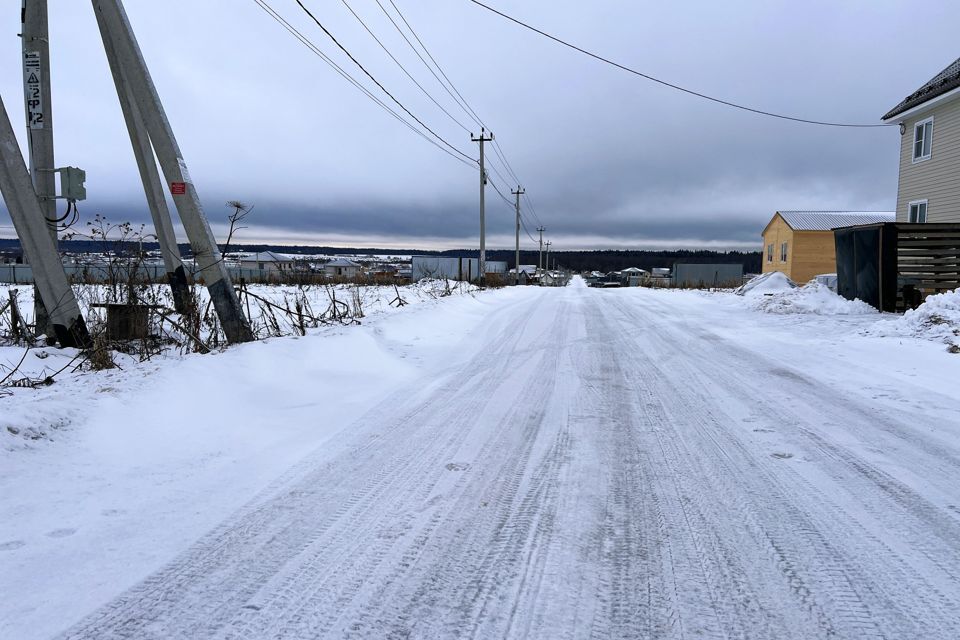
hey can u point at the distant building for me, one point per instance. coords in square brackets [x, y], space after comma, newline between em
[528, 274]
[453, 268]
[800, 244]
[707, 275]
[267, 262]
[342, 268]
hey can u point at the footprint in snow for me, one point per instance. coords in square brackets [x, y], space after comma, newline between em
[11, 545]
[782, 456]
[61, 533]
[457, 466]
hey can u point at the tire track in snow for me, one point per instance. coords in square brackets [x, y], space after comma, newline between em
[886, 592]
[210, 583]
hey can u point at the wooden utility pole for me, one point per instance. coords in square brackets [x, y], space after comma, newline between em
[519, 192]
[483, 225]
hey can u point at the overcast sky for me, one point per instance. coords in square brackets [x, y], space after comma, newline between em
[609, 160]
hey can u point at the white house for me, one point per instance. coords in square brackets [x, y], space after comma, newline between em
[267, 262]
[341, 268]
[528, 274]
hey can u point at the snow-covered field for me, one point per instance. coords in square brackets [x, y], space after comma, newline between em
[543, 463]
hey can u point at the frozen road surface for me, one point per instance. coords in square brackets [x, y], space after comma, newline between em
[601, 464]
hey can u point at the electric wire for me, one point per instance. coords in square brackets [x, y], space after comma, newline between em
[458, 98]
[269, 10]
[451, 90]
[670, 84]
[402, 68]
[512, 207]
[377, 82]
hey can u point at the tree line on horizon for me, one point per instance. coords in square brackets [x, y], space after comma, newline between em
[604, 260]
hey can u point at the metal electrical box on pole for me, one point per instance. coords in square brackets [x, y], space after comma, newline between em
[127, 55]
[72, 186]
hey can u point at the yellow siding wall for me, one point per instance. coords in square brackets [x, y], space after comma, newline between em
[812, 253]
[778, 231]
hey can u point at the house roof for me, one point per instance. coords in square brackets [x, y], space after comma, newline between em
[342, 262]
[939, 84]
[265, 256]
[827, 220]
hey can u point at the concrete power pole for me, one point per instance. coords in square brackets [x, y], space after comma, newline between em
[548, 243]
[32, 229]
[149, 176]
[483, 223]
[35, 43]
[519, 192]
[541, 229]
[127, 54]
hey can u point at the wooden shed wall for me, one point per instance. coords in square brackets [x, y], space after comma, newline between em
[812, 253]
[776, 232]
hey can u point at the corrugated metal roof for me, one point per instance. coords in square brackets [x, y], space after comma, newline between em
[939, 84]
[826, 220]
[265, 256]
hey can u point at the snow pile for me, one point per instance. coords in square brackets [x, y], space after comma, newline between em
[938, 318]
[767, 283]
[812, 298]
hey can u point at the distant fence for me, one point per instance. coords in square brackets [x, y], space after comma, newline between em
[98, 274]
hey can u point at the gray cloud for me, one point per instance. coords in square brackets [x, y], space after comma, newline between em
[609, 160]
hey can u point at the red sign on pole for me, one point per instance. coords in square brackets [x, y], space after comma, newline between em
[178, 188]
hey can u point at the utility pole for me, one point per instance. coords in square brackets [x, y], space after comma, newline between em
[127, 54]
[548, 243]
[35, 44]
[541, 229]
[519, 192]
[149, 176]
[25, 210]
[483, 224]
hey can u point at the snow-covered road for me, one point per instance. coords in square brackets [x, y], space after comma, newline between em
[603, 464]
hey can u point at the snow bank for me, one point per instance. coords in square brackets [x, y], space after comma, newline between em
[812, 298]
[937, 319]
[767, 283]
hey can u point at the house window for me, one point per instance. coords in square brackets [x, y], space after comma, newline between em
[922, 139]
[783, 252]
[917, 211]
[770, 253]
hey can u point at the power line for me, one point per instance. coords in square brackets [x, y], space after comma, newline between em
[458, 98]
[402, 68]
[451, 90]
[346, 76]
[377, 82]
[671, 85]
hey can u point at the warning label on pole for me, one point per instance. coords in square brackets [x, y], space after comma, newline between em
[178, 188]
[33, 90]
